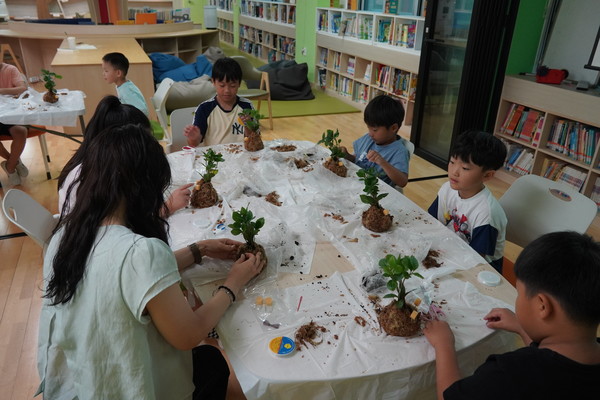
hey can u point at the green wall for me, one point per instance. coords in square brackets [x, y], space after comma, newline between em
[306, 33]
[196, 9]
[526, 37]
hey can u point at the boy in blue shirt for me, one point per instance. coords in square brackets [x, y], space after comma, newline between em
[382, 148]
[464, 204]
[114, 70]
[557, 312]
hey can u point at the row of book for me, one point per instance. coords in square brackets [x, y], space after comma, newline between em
[382, 75]
[272, 12]
[518, 159]
[404, 84]
[559, 171]
[596, 192]
[524, 123]
[226, 5]
[573, 139]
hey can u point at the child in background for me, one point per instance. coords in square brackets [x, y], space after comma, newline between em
[13, 84]
[464, 204]
[557, 316]
[216, 120]
[114, 70]
[382, 148]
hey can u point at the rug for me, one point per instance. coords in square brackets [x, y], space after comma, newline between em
[321, 104]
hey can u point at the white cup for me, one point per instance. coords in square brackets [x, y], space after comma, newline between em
[72, 42]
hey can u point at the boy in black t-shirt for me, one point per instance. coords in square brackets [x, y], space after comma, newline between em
[557, 315]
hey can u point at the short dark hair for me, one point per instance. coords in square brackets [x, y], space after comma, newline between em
[118, 61]
[480, 148]
[384, 111]
[227, 69]
[565, 265]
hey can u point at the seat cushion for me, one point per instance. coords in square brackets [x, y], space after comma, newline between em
[190, 94]
[288, 81]
[162, 63]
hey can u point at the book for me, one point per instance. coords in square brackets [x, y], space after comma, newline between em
[538, 131]
[508, 118]
[529, 126]
[351, 66]
[383, 30]
[390, 7]
[510, 128]
[368, 72]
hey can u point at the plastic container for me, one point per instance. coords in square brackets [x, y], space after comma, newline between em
[282, 346]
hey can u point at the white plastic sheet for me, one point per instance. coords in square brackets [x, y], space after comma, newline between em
[317, 206]
[30, 108]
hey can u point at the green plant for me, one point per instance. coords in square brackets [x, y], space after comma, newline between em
[372, 196]
[253, 122]
[332, 141]
[211, 159]
[398, 270]
[242, 224]
[48, 78]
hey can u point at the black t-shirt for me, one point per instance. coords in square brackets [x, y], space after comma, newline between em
[529, 373]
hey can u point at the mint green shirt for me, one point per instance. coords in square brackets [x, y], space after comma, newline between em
[100, 345]
[128, 93]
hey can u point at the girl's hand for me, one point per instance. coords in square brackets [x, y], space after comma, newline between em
[224, 249]
[244, 269]
[179, 198]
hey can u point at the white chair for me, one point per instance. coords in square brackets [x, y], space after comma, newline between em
[29, 215]
[180, 118]
[159, 101]
[535, 206]
[264, 90]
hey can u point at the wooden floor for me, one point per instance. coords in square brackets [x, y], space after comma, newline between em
[21, 259]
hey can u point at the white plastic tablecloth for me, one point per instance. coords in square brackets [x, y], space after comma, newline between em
[30, 109]
[353, 362]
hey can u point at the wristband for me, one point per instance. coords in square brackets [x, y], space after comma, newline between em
[196, 252]
[228, 291]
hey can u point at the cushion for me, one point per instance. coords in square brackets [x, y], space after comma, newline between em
[213, 53]
[203, 66]
[190, 94]
[185, 73]
[162, 63]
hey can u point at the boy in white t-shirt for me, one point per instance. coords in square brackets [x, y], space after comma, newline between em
[464, 204]
[114, 70]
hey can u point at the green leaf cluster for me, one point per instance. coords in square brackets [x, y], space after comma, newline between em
[211, 159]
[242, 224]
[332, 141]
[48, 78]
[398, 270]
[254, 122]
[371, 189]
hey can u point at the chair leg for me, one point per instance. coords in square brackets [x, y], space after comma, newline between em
[46, 156]
[270, 113]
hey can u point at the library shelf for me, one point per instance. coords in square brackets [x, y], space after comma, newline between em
[362, 54]
[225, 26]
[564, 142]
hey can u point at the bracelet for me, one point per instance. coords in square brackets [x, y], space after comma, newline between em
[196, 252]
[228, 291]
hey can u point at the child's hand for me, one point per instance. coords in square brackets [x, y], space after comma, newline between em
[502, 318]
[439, 334]
[375, 157]
[224, 249]
[244, 269]
[192, 133]
[345, 151]
[179, 198]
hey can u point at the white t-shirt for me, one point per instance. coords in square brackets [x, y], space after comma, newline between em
[99, 345]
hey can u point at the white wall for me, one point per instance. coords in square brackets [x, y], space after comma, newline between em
[572, 38]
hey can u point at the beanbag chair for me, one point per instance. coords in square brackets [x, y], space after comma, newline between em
[288, 80]
[162, 63]
[189, 94]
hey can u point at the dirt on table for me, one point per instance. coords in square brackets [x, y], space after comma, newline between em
[284, 147]
[310, 333]
[273, 198]
[300, 163]
[431, 260]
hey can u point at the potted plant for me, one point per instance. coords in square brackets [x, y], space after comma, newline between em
[48, 77]
[243, 224]
[204, 194]
[251, 119]
[375, 218]
[397, 318]
[331, 140]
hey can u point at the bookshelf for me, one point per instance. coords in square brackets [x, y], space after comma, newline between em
[361, 54]
[267, 29]
[225, 23]
[563, 143]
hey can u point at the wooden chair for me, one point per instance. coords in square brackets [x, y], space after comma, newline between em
[535, 206]
[41, 135]
[249, 73]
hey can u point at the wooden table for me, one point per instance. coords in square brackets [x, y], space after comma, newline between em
[321, 259]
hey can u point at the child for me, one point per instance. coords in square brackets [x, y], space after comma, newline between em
[114, 322]
[216, 120]
[12, 83]
[382, 148]
[464, 204]
[557, 315]
[114, 70]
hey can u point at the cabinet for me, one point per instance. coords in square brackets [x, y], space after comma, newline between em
[267, 29]
[186, 45]
[562, 144]
[363, 54]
